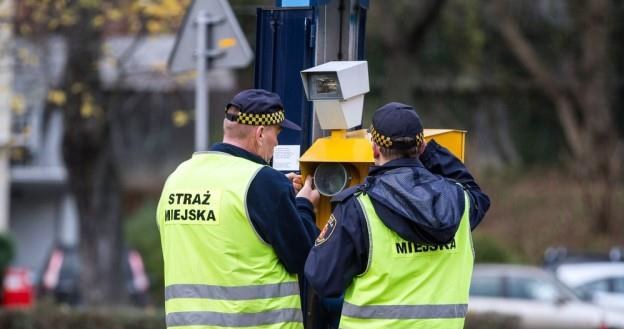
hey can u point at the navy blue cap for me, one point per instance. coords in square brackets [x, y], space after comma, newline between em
[397, 126]
[259, 107]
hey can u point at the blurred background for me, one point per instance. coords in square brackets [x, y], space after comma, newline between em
[91, 124]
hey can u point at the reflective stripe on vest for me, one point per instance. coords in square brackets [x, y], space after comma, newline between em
[407, 284]
[218, 271]
[231, 293]
[405, 311]
[177, 319]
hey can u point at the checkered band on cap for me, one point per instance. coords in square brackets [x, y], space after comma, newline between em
[380, 139]
[261, 119]
[420, 138]
[387, 142]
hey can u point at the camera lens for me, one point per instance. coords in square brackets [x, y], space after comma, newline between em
[330, 178]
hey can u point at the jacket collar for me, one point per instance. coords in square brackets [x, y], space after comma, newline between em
[238, 152]
[393, 164]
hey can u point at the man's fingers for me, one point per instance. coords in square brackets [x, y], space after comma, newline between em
[291, 176]
[308, 182]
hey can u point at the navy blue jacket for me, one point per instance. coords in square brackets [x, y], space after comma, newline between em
[417, 198]
[281, 219]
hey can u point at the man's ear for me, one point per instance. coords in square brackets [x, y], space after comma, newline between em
[421, 148]
[258, 132]
[375, 151]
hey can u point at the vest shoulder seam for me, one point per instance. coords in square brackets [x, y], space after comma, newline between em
[253, 176]
[369, 261]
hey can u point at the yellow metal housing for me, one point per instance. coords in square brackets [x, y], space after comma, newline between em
[353, 149]
[453, 140]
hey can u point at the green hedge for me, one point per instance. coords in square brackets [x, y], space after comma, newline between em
[142, 234]
[48, 316]
[491, 321]
[7, 251]
[53, 317]
[489, 250]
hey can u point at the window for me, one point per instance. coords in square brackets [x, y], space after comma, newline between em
[595, 286]
[618, 285]
[486, 286]
[534, 289]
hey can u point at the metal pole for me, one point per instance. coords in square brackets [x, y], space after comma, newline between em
[201, 87]
[6, 69]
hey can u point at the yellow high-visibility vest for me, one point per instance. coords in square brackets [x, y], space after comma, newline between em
[218, 272]
[407, 284]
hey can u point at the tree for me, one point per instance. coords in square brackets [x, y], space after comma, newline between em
[87, 145]
[400, 39]
[579, 85]
[432, 54]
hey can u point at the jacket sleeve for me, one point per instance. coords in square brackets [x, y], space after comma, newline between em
[340, 252]
[440, 161]
[283, 221]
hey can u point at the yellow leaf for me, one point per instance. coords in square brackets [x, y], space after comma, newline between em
[156, 11]
[59, 5]
[107, 49]
[26, 57]
[17, 153]
[87, 110]
[68, 18]
[76, 88]
[38, 16]
[114, 14]
[98, 21]
[173, 7]
[57, 97]
[180, 118]
[153, 26]
[89, 3]
[18, 104]
[53, 24]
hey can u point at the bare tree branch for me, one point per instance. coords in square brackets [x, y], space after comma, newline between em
[419, 30]
[594, 66]
[527, 56]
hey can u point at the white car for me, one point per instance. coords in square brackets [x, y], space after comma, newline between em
[599, 282]
[536, 297]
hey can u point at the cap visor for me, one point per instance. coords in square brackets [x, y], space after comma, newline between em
[290, 125]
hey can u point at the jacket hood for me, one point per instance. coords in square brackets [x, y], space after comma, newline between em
[418, 205]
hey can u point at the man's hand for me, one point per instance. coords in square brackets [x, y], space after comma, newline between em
[295, 180]
[308, 192]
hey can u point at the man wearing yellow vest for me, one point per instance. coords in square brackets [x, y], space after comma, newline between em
[233, 233]
[399, 246]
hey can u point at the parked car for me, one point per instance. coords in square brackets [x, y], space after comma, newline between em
[60, 277]
[600, 282]
[536, 297]
[596, 277]
[555, 256]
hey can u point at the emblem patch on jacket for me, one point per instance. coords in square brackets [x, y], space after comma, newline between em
[327, 231]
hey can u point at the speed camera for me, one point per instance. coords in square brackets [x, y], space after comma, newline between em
[337, 89]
